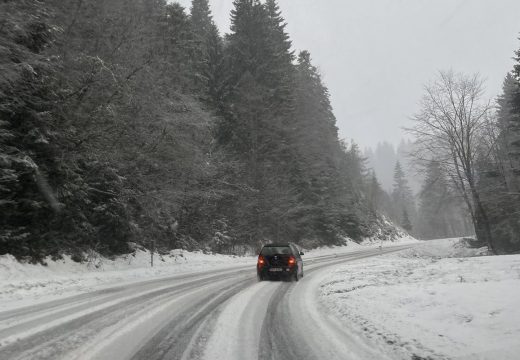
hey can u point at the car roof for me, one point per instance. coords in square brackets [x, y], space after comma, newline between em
[277, 245]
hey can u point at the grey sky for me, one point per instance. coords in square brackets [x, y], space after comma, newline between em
[375, 55]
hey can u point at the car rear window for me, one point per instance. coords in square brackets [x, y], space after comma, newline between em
[276, 250]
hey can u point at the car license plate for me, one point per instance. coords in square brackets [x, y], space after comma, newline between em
[276, 269]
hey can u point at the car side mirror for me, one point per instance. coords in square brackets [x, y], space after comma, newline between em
[301, 253]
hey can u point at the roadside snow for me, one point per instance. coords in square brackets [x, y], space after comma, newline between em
[23, 284]
[432, 302]
[353, 246]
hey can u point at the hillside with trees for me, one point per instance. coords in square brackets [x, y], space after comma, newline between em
[138, 122]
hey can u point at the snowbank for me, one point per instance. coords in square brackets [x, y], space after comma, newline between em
[351, 245]
[444, 248]
[431, 302]
[24, 283]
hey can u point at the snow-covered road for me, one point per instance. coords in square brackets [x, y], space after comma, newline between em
[223, 314]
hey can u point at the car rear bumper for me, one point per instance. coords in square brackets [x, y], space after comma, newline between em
[270, 271]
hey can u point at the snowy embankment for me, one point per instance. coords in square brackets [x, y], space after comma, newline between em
[351, 246]
[23, 284]
[435, 301]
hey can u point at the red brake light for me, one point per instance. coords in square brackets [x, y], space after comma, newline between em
[292, 261]
[261, 261]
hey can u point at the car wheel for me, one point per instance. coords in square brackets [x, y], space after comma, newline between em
[259, 277]
[295, 276]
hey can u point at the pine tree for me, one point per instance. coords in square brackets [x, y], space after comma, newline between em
[255, 117]
[402, 194]
[201, 17]
[499, 180]
[516, 74]
[282, 78]
[317, 164]
[330, 173]
[401, 191]
[25, 128]
[374, 193]
[405, 221]
[506, 118]
[208, 52]
[513, 123]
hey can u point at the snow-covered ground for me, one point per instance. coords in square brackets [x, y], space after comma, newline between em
[353, 246]
[24, 284]
[437, 300]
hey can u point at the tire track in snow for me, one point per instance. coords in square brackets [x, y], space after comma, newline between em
[174, 339]
[73, 332]
[236, 332]
[277, 339]
[295, 327]
[221, 315]
[36, 310]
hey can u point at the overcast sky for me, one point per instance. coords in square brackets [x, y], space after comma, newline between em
[375, 55]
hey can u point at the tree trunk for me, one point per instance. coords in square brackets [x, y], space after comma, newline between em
[481, 222]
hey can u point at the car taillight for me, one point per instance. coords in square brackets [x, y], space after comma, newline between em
[261, 261]
[291, 261]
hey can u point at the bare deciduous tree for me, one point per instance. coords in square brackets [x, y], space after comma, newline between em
[448, 129]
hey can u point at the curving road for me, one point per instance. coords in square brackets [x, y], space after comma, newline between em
[224, 315]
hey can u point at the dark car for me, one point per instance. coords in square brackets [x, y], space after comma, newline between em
[280, 261]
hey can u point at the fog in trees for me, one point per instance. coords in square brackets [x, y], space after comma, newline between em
[461, 137]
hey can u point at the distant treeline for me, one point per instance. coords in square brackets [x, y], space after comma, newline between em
[131, 121]
[420, 198]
